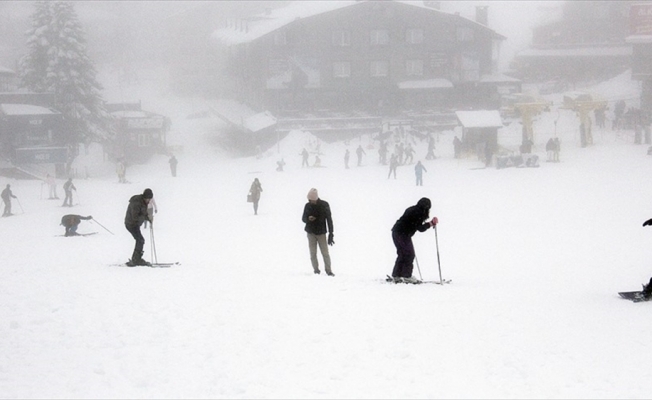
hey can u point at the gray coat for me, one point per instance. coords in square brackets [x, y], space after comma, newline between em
[136, 211]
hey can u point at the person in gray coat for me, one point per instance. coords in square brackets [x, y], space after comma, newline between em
[136, 215]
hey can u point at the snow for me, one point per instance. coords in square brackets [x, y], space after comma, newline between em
[536, 256]
[25, 109]
[479, 119]
[612, 51]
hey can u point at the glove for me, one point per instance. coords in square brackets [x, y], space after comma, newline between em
[648, 222]
[434, 221]
[330, 239]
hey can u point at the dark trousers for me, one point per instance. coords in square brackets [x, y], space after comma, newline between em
[7, 210]
[140, 241]
[405, 255]
[67, 201]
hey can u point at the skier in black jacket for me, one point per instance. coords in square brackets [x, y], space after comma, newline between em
[405, 227]
[136, 215]
[317, 217]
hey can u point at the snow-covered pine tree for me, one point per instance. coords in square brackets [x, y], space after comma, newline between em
[57, 62]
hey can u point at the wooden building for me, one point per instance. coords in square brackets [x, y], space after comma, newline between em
[381, 57]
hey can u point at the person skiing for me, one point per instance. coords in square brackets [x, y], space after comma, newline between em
[71, 222]
[317, 217]
[393, 164]
[419, 169]
[52, 185]
[68, 187]
[405, 227]
[7, 195]
[304, 158]
[173, 165]
[254, 191]
[134, 218]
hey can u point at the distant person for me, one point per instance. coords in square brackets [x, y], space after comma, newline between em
[360, 152]
[419, 169]
[550, 149]
[347, 155]
[317, 163]
[134, 218]
[409, 154]
[254, 192]
[318, 220]
[7, 195]
[68, 187]
[304, 158]
[280, 164]
[457, 147]
[173, 165]
[413, 219]
[430, 155]
[393, 164]
[556, 150]
[52, 186]
[71, 222]
[121, 171]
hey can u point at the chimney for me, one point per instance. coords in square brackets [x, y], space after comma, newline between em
[482, 15]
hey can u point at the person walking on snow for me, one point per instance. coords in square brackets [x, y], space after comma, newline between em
[419, 169]
[405, 227]
[304, 158]
[7, 195]
[52, 185]
[173, 165]
[254, 191]
[360, 152]
[71, 222]
[134, 218]
[393, 164]
[121, 171]
[318, 220]
[68, 187]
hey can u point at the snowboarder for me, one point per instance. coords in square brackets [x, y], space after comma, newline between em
[52, 185]
[7, 195]
[71, 222]
[360, 152]
[318, 220]
[419, 169]
[254, 192]
[173, 165]
[405, 227]
[68, 187]
[134, 218]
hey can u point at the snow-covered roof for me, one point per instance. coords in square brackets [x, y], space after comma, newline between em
[25, 109]
[436, 83]
[615, 51]
[639, 39]
[255, 27]
[6, 71]
[241, 115]
[130, 114]
[480, 119]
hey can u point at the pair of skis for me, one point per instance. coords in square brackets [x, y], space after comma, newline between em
[151, 265]
[389, 279]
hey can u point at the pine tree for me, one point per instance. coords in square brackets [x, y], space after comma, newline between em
[57, 62]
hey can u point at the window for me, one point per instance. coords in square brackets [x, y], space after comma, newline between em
[414, 67]
[341, 38]
[379, 37]
[379, 68]
[342, 69]
[414, 36]
[280, 38]
[464, 34]
[144, 140]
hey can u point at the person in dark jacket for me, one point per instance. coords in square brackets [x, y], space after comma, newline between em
[405, 227]
[318, 220]
[68, 187]
[71, 222]
[136, 215]
[7, 195]
[254, 191]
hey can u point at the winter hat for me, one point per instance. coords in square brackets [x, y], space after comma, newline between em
[312, 194]
[147, 194]
[424, 203]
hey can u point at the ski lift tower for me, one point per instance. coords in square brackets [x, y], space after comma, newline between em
[583, 103]
[529, 110]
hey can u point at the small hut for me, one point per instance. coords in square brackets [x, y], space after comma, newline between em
[479, 129]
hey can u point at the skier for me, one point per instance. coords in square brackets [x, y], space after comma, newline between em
[360, 152]
[136, 215]
[52, 185]
[71, 222]
[317, 217]
[68, 187]
[7, 195]
[347, 154]
[405, 227]
[254, 191]
[393, 164]
[647, 289]
[419, 169]
[304, 158]
[173, 165]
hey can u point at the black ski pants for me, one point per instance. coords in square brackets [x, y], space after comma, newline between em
[405, 255]
[140, 241]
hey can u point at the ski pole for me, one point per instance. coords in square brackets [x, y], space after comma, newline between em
[418, 268]
[438, 262]
[20, 205]
[93, 219]
[151, 231]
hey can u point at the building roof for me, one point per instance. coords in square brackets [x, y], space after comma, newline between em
[604, 51]
[260, 25]
[25, 109]
[437, 83]
[480, 119]
[240, 115]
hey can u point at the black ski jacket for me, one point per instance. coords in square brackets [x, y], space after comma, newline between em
[322, 212]
[136, 211]
[412, 219]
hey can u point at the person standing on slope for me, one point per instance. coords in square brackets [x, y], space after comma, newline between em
[405, 227]
[317, 217]
[136, 215]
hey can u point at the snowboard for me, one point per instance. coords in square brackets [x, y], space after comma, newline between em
[636, 297]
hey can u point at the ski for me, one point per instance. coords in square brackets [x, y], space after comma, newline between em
[150, 265]
[389, 279]
[79, 234]
[636, 297]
